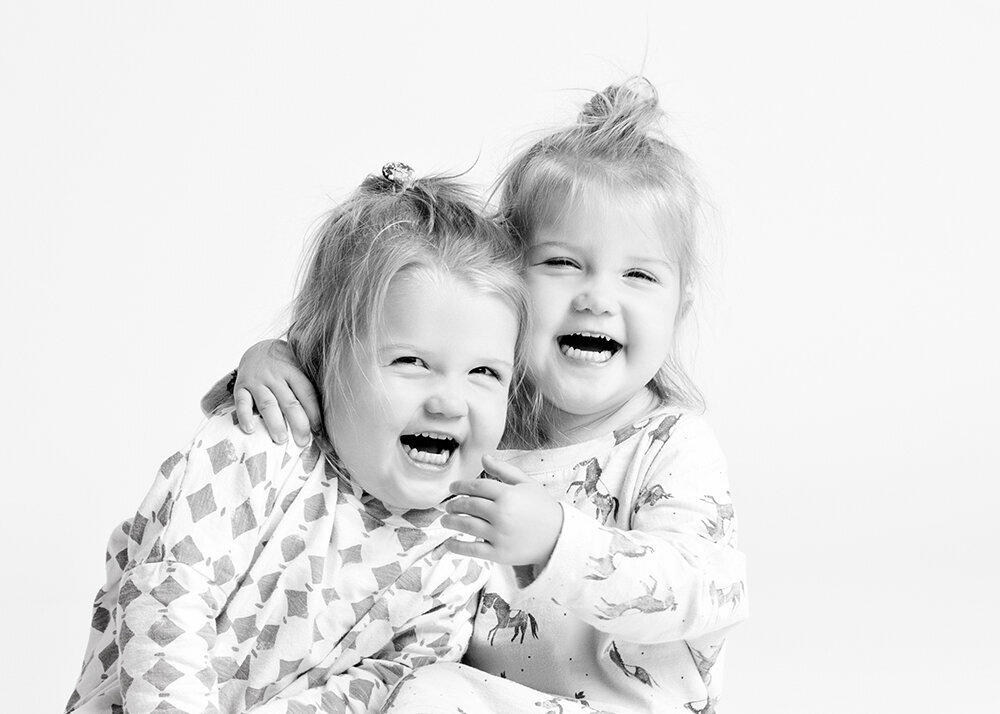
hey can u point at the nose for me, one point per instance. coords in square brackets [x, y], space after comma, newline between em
[447, 401]
[595, 297]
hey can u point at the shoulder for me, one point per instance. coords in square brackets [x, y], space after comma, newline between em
[680, 440]
[221, 432]
[685, 429]
[220, 444]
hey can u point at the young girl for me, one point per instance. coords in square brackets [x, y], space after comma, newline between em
[290, 578]
[620, 533]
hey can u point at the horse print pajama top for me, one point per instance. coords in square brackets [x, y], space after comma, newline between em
[631, 612]
[253, 578]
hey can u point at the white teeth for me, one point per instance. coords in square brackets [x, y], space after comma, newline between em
[586, 355]
[428, 458]
[429, 435]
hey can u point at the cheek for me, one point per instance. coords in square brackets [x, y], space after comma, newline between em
[544, 299]
[665, 319]
[493, 418]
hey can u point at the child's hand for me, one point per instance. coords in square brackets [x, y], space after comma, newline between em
[516, 520]
[270, 378]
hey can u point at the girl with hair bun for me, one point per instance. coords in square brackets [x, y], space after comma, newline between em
[610, 517]
[286, 578]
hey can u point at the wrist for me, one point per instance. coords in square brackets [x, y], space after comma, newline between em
[551, 539]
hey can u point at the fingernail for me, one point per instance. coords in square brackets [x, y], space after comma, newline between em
[248, 429]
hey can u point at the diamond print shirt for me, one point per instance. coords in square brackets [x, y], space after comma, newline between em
[252, 578]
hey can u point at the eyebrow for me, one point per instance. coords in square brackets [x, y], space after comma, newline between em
[645, 259]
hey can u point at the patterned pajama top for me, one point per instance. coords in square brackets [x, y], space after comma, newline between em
[253, 578]
[632, 608]
[631, 612]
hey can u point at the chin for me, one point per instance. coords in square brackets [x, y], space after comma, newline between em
[408, 502]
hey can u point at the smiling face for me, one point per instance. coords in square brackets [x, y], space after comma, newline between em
[605, 295]
[420, 413]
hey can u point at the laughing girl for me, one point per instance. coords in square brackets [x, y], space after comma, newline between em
[286, 578]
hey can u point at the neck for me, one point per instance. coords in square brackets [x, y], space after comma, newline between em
[569, 428]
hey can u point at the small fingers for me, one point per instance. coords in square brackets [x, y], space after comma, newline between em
[306, 394]
[244, 409]
[470, 506]
[507, 473]
[290, 409]
[476, 549]
[475, 527]
[481, 487]
[270, 412]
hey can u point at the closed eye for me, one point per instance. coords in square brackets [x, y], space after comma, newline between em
[560, 263]
[641, 275]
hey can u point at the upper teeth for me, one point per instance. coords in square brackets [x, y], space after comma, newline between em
[429, 435]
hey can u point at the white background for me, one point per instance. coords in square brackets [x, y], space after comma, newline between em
[160, 165]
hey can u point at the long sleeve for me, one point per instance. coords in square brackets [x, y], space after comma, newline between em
[675, 573]
[450, 592]
[218, 395]
[192, 539]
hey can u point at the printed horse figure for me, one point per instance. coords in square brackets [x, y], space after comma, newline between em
[607, 505]
[519, 621]
[627, 432]
[634, 671]
[662, 432]
[703, 663]
[709, 707]
[554, 705]
[724, 515]
[733, 594]
[649, 497]
[644, 603]
[620, 545]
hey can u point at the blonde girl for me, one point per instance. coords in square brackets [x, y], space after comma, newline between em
[619, 576]
[298, 578]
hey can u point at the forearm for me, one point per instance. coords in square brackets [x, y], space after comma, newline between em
[643, 586]
[359, 690]
[167, 628]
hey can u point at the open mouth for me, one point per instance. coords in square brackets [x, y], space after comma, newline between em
[429, 448]
[588, 346]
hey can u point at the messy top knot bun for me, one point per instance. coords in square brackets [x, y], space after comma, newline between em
[628, 111]
[616, 150]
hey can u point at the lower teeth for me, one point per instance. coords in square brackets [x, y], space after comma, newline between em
[586, 355]
[429, 458]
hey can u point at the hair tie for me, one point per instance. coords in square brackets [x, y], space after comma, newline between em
[399, 173]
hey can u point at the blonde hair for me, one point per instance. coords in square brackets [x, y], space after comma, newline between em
[616, 147]
[384, 228]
